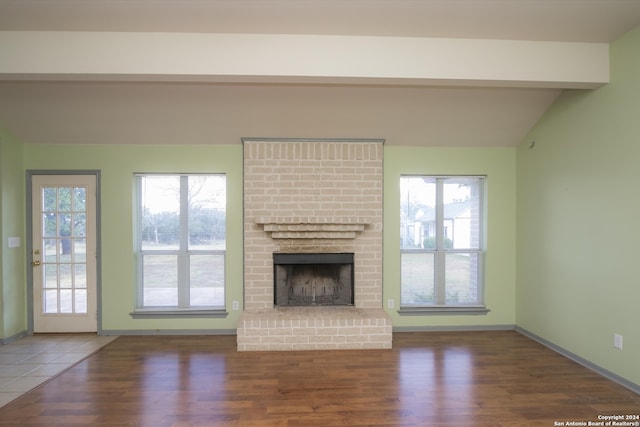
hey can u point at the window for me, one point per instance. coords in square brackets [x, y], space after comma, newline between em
[441, 244]
[181, 242]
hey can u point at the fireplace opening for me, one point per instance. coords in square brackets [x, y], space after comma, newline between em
[309, 279]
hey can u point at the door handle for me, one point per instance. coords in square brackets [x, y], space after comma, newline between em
[36, 263]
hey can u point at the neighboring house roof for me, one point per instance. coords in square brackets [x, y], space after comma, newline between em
[454, 210]
[451, 211]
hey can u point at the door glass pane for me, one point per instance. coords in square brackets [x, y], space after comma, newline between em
[207, 280]
[49, 199]
[64, 199]
[65, 276]
[80, 301]
[49, 225]
[160, 280]
[79, 250]
[461, 278]
[79, 225]
[80, 276]
[50, 276]
[417, 277]
[50, 301]
[49, 248]
[66, 301]
[79, 199]
[64, 231]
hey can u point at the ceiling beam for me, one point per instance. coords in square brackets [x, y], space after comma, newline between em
[299, 59]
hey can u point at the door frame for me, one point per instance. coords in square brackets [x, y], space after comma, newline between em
[29, 240]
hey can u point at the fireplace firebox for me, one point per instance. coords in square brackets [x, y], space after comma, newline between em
[310, 279]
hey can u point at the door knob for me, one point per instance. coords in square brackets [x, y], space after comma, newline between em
[35, 263]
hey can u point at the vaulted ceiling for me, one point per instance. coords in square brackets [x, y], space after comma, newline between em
[51, 108]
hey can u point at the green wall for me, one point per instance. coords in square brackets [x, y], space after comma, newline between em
[117, 164]
[13, 318]
[498, 164]
[578, 229]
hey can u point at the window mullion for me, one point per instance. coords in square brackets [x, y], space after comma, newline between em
[440, 291]
[183, 255]
[139, 232]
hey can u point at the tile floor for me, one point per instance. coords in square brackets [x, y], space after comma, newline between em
[30, 361]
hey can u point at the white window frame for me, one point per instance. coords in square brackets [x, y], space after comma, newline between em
[440, 252]
[183, 253]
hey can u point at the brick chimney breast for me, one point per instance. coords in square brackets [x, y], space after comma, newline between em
[312, 196]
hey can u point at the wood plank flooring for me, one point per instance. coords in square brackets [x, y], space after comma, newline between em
[427, 379]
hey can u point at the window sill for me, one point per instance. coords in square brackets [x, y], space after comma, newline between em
[475, 310]
[177, 314]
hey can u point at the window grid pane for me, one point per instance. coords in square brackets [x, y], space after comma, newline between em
[461, 198]
[206, 280]
[160, 280]
[461, 278]
[418, 278]
[160, 212]
[206, 207]
[418, 213]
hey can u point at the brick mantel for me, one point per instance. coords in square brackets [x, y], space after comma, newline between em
[313, 227]
[312, 220]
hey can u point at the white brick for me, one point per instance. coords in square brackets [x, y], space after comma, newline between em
[319, 181]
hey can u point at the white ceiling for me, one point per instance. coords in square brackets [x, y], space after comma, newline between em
[94, 112]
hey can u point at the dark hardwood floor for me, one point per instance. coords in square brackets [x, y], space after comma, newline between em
[427, 379]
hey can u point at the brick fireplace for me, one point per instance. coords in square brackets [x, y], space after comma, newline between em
[313, 197]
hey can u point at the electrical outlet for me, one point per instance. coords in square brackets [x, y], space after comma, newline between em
[235, 305]
[390, 303]
[617, 341]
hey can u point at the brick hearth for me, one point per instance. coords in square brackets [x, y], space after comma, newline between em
[314, 328]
